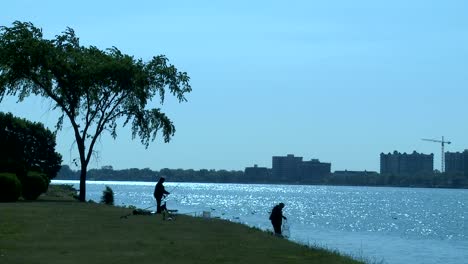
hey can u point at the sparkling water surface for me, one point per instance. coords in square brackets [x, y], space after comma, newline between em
[380, 224]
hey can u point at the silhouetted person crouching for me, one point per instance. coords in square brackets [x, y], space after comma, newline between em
[277, 217]
[159, 192]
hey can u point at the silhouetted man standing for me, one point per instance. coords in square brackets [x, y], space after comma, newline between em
[159, 192]
[277, 217]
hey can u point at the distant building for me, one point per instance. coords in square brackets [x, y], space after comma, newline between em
[401, 163]
[456, 162]
[313, 171]
[293, 169]
[286, 168]
[256, 174]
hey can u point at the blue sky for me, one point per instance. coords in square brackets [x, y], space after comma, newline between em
[341, 81]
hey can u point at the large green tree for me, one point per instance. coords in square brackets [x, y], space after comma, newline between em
[92, 88]
[27, 146]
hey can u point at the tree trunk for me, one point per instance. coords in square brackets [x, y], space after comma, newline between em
[84, 164]
[82, 196]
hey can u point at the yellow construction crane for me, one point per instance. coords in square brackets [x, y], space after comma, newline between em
[442, 142]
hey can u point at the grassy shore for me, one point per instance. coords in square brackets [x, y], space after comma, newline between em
[58, 229]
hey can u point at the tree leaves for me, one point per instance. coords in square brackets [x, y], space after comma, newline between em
[27, 146]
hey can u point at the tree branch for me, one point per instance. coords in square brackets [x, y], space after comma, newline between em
[104, 120]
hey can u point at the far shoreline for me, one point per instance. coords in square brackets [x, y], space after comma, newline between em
[124, 182]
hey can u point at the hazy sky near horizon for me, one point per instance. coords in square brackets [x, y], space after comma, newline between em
[341, 81]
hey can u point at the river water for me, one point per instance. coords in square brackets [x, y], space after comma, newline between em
[377, 224]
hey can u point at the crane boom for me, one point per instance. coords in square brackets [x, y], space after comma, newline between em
[442, 142]
[436, 140]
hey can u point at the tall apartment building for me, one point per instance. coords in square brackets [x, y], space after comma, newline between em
[293, 169]
[402, 163]
[286, 168]
[456, 162]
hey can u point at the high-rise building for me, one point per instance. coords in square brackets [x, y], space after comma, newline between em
[456, 162]
[402, 163]
[293, 169]
[286, 168]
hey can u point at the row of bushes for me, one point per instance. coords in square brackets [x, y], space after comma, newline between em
[29, 187]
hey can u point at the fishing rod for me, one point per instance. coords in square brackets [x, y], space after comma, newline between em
[148, 207]
[172, 190]
[175, 187]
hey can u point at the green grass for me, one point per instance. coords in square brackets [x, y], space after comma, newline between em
[57, 229]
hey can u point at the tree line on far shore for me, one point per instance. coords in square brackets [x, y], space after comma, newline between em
[424, 180]
[107, 173]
